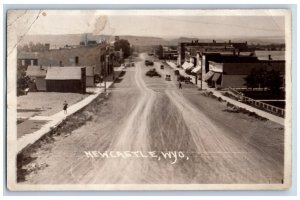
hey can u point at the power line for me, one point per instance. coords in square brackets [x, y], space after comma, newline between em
[22, 36]
[17, 19]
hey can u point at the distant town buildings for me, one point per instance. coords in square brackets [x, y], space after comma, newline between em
[187, 51]
[226, 64]
[170, 53]
[89, 58]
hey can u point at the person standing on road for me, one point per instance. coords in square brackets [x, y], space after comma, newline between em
[180, 86]
[65, 107]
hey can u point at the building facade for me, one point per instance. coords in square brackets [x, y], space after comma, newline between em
[231, 71]
[66, 79]
[188, 50]
[81, 55]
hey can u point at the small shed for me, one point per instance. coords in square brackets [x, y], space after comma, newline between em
[38, 75]
[66, 79]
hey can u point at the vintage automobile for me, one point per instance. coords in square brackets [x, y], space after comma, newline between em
[168, 77]
[162, 67]
[180, 78]
[152, 72]
[149, 62]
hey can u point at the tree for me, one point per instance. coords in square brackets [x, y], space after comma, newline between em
[23, 82]
[25, 47]
[261, 78]
[124, 45]
[251, 79]
[274, 82]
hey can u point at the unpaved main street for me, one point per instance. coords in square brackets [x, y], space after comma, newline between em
[142, 120]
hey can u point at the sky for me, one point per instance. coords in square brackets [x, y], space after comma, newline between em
[166, 24]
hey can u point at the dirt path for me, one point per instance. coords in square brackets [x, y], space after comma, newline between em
[143, 115]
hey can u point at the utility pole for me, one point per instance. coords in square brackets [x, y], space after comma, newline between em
[201, 79]
[201, 57]
[104, 81]
[105, 71]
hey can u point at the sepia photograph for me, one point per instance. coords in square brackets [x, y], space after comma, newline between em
[143, 99]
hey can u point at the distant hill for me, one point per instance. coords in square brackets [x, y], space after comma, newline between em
[75, 39]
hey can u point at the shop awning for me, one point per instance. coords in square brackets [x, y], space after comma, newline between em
[191, 66]
[187, 65]
[208, 75]
[216, 77]
[197, 70]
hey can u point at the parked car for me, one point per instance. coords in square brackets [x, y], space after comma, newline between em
[152, 72]
[149, 62]
[132, 64]
[176, 72]
[187, 80]
[168, 77]
[162, 67]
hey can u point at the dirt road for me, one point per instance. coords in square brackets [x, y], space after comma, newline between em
[149, 131]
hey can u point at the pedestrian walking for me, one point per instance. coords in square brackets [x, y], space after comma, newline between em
[180, 86]
[65, 107]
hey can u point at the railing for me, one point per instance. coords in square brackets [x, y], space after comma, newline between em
[259, 104]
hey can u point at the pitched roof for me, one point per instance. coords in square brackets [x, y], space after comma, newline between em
[64, 73]
[36, 71]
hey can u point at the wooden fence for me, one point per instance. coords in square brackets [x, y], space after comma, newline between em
[258, 104]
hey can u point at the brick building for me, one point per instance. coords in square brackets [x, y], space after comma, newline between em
[81, 55]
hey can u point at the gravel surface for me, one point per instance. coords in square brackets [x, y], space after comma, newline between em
[141, 121]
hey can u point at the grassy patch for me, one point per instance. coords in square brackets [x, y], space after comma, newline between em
[232, 108]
